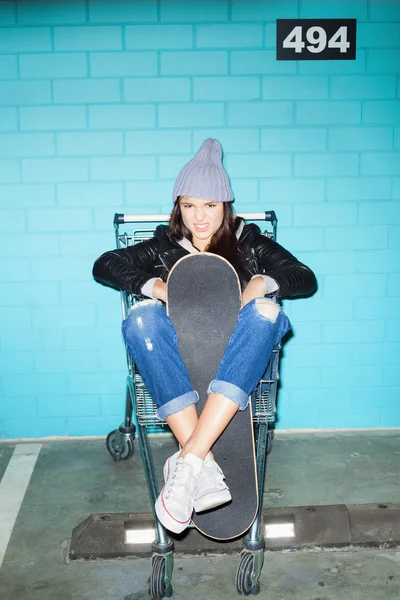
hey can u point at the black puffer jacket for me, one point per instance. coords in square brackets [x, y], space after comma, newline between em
[130, 268]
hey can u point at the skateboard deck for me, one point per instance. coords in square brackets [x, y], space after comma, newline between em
[203, 303]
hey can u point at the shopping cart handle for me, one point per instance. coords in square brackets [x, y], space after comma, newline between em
[119, 219]
[270, 216]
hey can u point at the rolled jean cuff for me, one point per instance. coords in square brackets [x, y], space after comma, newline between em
[230, 391]
[177, 404]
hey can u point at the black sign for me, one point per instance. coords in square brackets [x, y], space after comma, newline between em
[316, 39]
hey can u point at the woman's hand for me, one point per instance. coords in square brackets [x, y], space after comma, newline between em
[254, 289]
[160, 290]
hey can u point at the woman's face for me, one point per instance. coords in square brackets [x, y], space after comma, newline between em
[202, 217]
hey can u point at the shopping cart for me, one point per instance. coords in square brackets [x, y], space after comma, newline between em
[141, 419]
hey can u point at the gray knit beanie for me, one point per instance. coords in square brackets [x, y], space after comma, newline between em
[204, 176]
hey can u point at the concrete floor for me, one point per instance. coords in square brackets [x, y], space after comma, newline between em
[75, 478]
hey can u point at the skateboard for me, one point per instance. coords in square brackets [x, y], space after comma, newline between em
[203, 303]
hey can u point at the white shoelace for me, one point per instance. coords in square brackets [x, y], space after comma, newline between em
[211, 474]
[181, 483]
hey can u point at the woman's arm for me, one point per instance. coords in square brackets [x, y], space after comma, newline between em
[160, 290]
[293, 277]
[129, 268]
[254, 289]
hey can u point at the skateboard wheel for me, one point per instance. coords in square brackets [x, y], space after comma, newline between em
[243, 575]
[127, 449]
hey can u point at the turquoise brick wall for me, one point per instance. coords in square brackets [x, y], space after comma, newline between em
[101, 103]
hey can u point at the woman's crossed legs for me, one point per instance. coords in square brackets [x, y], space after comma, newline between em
[152, 342]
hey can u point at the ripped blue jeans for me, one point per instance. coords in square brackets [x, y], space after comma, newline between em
[152, 343]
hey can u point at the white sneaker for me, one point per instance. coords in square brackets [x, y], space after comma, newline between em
[174, 506]
[211, 489]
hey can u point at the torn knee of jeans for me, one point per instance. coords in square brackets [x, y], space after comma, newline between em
[142, 304]
[138, 320]
[267, 309]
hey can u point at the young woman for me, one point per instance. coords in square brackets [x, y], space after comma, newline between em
[202, 220]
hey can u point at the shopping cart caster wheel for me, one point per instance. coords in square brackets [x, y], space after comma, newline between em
[158, 589]
[243, 576]
[126, 449]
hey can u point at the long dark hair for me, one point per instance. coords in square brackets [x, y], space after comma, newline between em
[223, 242]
